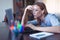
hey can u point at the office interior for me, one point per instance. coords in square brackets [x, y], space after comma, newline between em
[18, 6]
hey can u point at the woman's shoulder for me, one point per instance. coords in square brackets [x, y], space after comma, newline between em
[53, 19]
[50, 15]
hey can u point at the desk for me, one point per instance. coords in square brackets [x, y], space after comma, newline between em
[4, 34]
[54, 37]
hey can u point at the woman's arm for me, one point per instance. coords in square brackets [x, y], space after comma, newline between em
[55, 29]
[25, 15]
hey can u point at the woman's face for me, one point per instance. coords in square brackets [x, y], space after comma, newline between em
[37, 12]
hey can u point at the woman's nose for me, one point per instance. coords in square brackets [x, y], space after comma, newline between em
[34, 14]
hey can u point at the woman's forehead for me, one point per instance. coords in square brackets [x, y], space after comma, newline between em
[36, 7]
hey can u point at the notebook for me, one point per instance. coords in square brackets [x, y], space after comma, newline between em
[40, 35]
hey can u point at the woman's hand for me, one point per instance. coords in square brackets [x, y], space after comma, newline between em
[25, 15]
[29, 7]
[30, 26]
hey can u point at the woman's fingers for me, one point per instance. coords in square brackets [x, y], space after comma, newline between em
[29, 25]
[29, 7]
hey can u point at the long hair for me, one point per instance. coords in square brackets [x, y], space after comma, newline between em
[42, 7]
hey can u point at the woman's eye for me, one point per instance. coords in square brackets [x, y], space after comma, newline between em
[36, 10]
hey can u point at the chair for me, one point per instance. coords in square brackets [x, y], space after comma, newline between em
[9, 15]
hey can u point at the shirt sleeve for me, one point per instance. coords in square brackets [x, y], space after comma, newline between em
[54, 20]
[34, 22]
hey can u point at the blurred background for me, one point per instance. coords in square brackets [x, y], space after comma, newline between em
[17, 6]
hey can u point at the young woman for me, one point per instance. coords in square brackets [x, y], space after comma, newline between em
[43, 20]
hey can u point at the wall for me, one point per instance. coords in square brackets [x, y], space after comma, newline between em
[38, 0]
[53, 6]
[5, 4]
